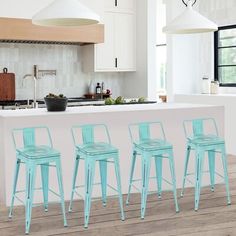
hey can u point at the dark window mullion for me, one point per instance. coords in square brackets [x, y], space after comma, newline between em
[216, 55]
[225, 47]
[226, 66]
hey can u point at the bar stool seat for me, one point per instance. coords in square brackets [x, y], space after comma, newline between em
[96, 148]
[206, 140]
[34, 148]
[93, 144]
[42, 151]
[149, 142]
[152, 144]
[202, 137]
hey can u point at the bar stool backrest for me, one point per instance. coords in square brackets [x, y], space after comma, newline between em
[140, 132]
[200, 127]
[31, 136]
[90, 133]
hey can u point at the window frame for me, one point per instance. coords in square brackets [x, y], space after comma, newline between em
[216, 55]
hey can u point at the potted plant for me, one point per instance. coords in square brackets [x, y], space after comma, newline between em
[56, 102]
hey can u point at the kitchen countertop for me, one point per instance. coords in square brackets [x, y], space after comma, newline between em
[99, 109]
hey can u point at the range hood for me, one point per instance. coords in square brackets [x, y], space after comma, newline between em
[15, 30]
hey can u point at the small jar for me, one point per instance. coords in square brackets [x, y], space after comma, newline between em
[214, 87]
[205, 85]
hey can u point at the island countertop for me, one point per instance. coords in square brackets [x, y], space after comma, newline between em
[117, 118]
[100, 109]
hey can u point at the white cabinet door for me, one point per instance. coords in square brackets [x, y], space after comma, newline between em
[105, 52]
[125, 41]
[126, 5]
[109, 4]
[119, 5]
[118, 52]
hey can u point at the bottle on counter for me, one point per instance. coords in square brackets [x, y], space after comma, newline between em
[98, 89]
[214, 87]
[205, 85]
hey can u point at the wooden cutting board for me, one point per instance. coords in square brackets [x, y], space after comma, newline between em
[7, 86]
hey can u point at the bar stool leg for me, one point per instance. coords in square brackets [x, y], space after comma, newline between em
[158, 165]
[103, 174]
[224, 162]
[198, 177]
[17, 168]
[131, 176]
[89, 178]
[76, 166]
[60, 184]
[44, 177]
[118, 180]
[211, 161]
[172, 171]
[30, 182]
[185, 169]
[145, 182]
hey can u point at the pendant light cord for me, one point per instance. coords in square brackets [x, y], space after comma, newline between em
[189, 0]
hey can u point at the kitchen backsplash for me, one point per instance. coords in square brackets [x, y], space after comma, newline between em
[65, 59]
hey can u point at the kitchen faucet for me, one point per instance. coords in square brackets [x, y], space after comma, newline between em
[35, 76]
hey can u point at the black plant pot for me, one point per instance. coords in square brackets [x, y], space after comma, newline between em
[56, 104]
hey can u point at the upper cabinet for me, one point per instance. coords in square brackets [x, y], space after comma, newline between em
[118, 52]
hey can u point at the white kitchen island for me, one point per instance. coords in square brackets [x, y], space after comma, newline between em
[117, 119]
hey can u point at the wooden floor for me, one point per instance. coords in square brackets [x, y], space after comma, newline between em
[213, 218]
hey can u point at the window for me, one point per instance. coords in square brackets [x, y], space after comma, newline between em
[225, 56]
[161, 48]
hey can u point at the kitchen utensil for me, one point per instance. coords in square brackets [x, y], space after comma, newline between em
[7, 86]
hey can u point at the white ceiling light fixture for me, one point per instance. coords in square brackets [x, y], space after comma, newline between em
[65, 13]
[190, 22]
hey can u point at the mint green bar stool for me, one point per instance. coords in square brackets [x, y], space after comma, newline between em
[34, 148]
[93, 144]
[149, 142]
[202, 137]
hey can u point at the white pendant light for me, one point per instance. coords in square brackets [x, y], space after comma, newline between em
[65, 13]
[190, 22]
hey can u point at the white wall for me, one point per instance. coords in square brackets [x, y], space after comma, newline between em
[136, 83]
[191, 57]
[65, 59]
[20, 58]
[183, 57]
[27, 8]
[143, 81]
[21, 9]
[223, 13]
[140, 83]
